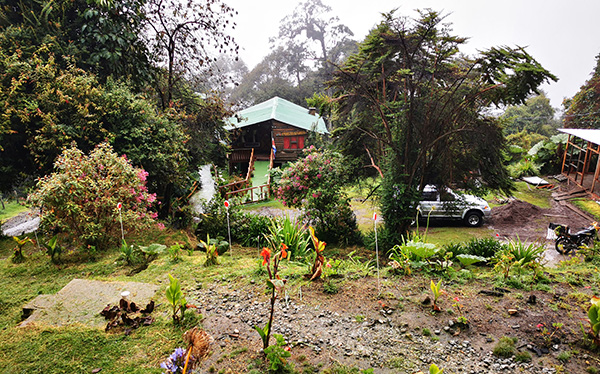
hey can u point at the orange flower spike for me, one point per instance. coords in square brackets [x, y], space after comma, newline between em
[266, 255]
[283, 250]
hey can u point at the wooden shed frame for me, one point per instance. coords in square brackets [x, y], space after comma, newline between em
[581, 160]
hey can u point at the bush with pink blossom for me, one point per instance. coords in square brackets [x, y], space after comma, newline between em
[87, 195]
[314, 184]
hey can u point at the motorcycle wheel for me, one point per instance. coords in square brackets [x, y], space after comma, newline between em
[563, 246]
[588, 242]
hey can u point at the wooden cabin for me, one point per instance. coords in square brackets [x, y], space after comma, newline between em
[581, 160]
[274, 125]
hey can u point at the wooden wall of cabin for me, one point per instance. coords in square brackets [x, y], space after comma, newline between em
[289, 141]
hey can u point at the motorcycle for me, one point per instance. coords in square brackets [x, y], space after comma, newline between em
[567, 242]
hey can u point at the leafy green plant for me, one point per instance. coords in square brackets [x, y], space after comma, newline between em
[483, 247]
[212, 252]
[151, 252]
[400, 259]
[437, 292]
[277, 355]
[175, 298]
[53, 249]
[127, 252]
[433, 369]
[18, 255]
[594, 320]
[467, 260]
[175, 252]
[275, 284]
[291, 233]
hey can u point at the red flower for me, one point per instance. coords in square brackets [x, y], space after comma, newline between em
[283, 252]
[266, 255]
[540, 325]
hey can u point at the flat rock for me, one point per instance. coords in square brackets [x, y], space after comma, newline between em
[81, 301]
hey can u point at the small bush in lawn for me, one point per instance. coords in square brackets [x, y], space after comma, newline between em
[523, 356]
[314, 184]
[485, 247]
[505, 347]
[81, 197]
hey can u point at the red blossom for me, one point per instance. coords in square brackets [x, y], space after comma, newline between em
[266, 255]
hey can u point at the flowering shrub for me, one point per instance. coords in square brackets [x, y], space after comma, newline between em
[84, 196]
[314, 184]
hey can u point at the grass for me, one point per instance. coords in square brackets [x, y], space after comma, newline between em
[12, 209]
[528, 193]
[589, 206]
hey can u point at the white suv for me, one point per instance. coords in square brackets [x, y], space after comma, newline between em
[448, 204]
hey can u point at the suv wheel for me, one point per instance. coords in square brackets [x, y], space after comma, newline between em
[474, 219]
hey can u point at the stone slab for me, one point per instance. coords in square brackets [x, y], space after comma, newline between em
[81, 301]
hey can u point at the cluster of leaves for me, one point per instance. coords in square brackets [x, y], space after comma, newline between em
[290, 232]
[314, 184]
[81, 197]
[176, 299]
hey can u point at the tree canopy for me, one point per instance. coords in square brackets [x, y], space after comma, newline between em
[583, 110]
[424, 107]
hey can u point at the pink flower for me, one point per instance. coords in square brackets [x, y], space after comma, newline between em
[456, 299]
[319, 176]
[142, 174]
[160, 226]
[314, 195]
[151, 198]
[154, 215]
[540, 325]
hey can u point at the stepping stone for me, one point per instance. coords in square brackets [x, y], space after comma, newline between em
[81, 301]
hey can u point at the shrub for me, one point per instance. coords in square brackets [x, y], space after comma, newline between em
[314, 184]
[484, 247]
[505, 347]
[248, 229]
[523, 356]
[81, 198]
[290, 232]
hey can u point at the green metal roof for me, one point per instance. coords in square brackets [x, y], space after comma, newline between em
[280, 110]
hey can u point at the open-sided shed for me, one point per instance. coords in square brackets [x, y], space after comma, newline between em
[581, 161]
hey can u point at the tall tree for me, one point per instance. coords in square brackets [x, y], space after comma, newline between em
[99, 36]
[583, 110]
[311, 29]
[536, 115]
[186, 38]
[426, 106]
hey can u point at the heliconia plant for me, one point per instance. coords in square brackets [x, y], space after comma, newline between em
[317, 268]
[275, 285]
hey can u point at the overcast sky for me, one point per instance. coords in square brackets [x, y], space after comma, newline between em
[564, 36]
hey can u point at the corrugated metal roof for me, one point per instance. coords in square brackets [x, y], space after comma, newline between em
[591, 135]
[281, 110]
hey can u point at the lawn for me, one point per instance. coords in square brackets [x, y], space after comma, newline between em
[11, 209]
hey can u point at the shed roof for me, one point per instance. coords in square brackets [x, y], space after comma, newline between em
[281, 110]
[590, 135]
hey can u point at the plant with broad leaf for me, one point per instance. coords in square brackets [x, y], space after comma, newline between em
[212, 252]
[437, 292]
[176, 299]
[53, 249]
[277, 355]
[18, 255]
[594, 320]
[275, 285]
[319, 246]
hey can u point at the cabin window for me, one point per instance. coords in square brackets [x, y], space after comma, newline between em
[293, 142]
